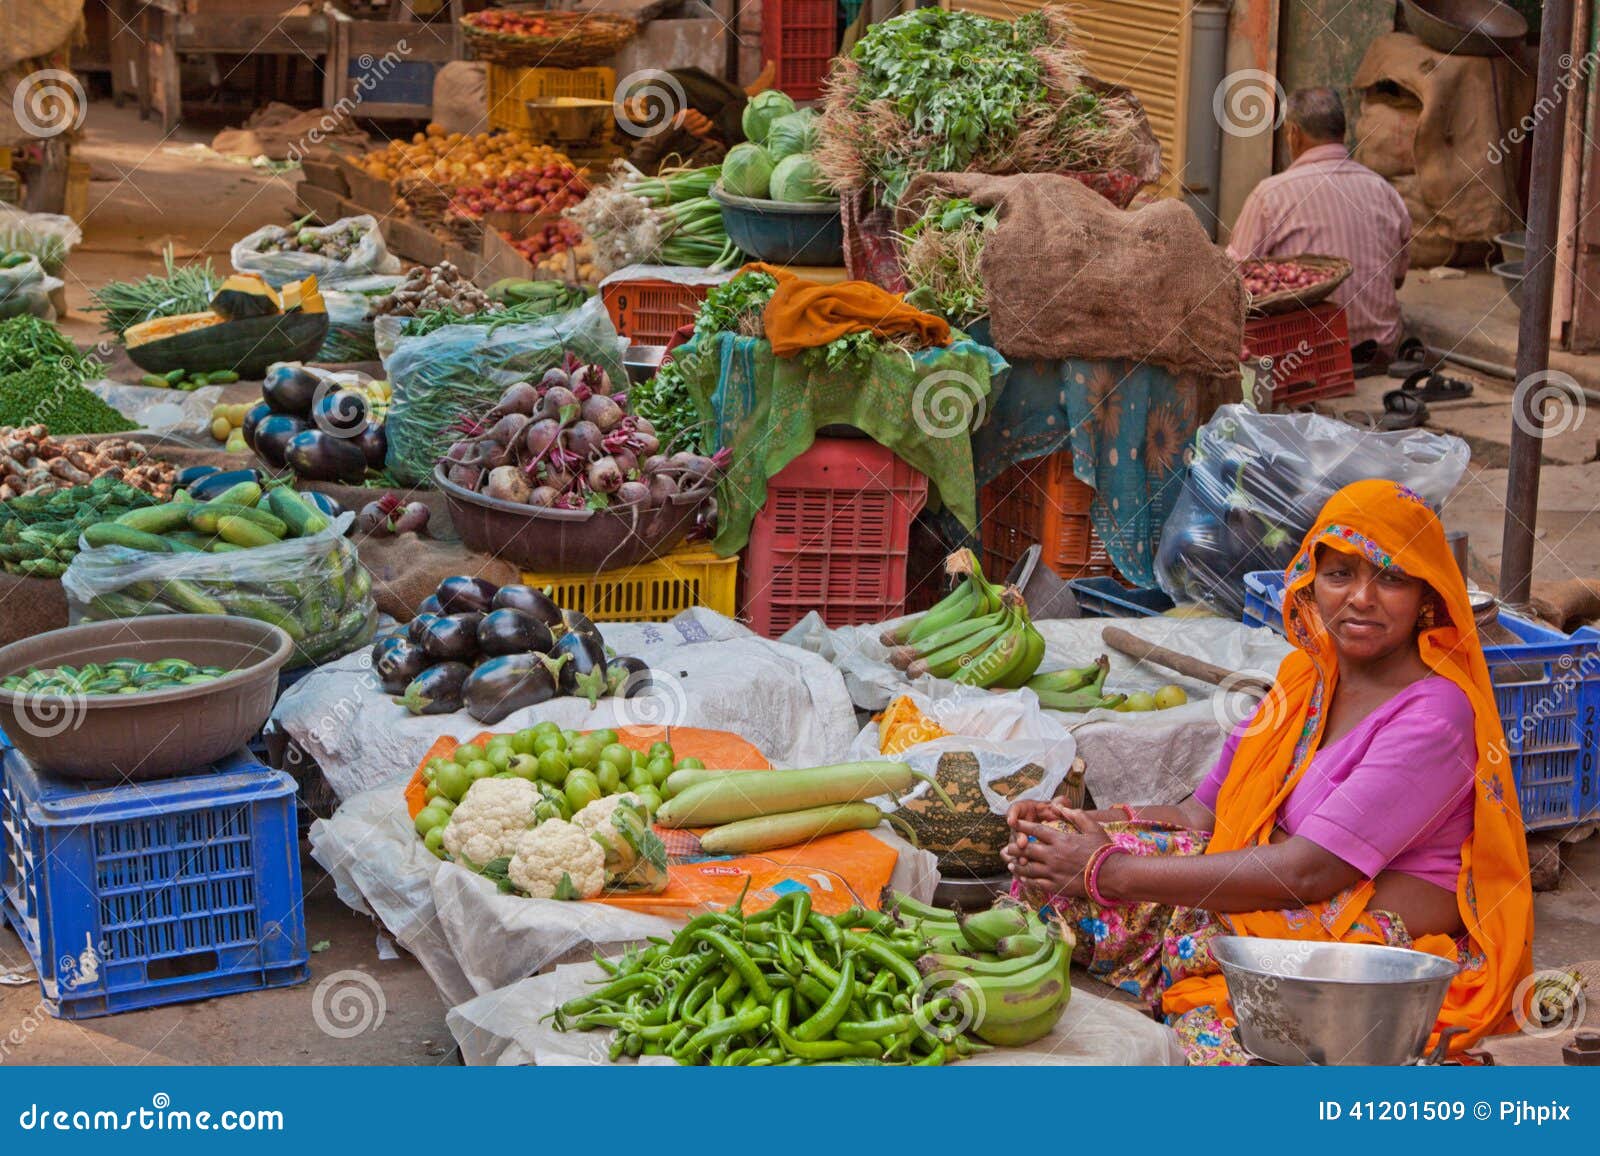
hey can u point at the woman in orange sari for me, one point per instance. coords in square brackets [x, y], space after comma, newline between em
[1367, 800]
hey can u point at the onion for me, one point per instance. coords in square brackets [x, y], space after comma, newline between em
[604, 476]
[584, 439]
[543, 496]
[508, 484]
[540, 436]
[602, 411]
[630, 493]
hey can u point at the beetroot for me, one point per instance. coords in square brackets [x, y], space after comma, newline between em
[662, 487]
[630, 493]
[540, 436]
[518, 398]
[543, 496]
[604, 476]
[508, 484]
[584, 439]
[602, 411]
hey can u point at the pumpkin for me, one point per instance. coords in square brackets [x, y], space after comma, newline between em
[245, 295]
[246, 346]
[159, 327]
[303, 296]
[967, 840]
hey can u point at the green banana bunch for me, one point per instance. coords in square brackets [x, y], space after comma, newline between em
[1077, 689]
[972, 597]
[986, 928]
[1019, 1007]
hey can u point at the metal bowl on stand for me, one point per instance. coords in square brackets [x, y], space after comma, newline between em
[1466, 27]
[1302, 1002]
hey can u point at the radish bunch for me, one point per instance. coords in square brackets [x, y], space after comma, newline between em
[1263, 277]
[569, 443]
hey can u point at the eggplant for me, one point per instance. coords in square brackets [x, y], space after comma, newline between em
[342, 413]
[397, 663]
[575, 622]
[451, 637]
[324, 457]
[436, 690]
[320, 501]
[214, 485]
[186, 478]
[585, 674]
[508, 631]
[430, 605]
[460, 594]
[509, 682]
[290, 389]
[253, 419]
[627, 677]
[373, 442]
[419, 624]
[535, 603]
[273, 436]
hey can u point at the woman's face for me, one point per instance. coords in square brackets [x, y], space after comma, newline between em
[1369, 611]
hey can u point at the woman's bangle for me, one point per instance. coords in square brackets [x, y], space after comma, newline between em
[1127, 809]
[1091, 871]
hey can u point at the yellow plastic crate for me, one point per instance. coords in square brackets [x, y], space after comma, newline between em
[651, 592]
[510, 87]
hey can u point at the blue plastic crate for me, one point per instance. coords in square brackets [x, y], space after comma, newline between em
[1548, 692]
[1107, 598]
[155, 892]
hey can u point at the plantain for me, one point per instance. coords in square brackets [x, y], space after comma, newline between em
[1074, 678]
[957, 606]
[946, 661]
[984, 929]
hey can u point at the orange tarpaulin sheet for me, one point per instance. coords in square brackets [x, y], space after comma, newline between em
[839, 870]
[805, 314]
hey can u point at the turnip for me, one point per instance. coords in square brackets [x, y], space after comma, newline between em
[602, 411]
[604, 476]
[630, 493]
[508, 485]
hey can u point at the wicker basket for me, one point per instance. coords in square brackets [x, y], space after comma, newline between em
[1287, 300]
[576, 40]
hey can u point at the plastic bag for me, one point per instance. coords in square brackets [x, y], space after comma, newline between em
[461, 371]
[171, 412]
[314, 588]
[1257, 482]
[369, 255]
[25, 288]
[47, 236]
[350, 334]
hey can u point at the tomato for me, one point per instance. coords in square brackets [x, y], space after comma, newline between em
[480, 768]
[661, 750]
[467, 753]
[639, 778]
[428, 818]
[609, 775]
[690, 764]
[453, 781]
[525, 767]
[586, 751]
[582, 789]
[549, 743]
[650, 798]
[498, 757]
[553, 767]
[546, 728]
[434, 841]
[606, 737]
[619, 755]
[522, 742]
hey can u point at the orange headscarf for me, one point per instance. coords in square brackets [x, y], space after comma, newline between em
[1389, 526]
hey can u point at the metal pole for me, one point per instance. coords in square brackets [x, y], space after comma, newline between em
[1538, 285]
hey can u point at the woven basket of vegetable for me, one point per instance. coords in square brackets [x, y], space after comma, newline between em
[568, 40]
[1325, 274]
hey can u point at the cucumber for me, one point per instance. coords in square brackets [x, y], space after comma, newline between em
[155, 381]
[206, 518]
[174, 376]
[119, 606]
[221, 547]
[359, 587]
[242, 532]
[346, 635]
[182, 498]
[111, 534]
[190, 538]
[156, 519]
[261, 610]
[189, 598]
[302, 519]
[222, 377]
[243, 494]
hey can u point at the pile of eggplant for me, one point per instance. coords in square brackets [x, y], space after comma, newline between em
[492, 650]
[310, 425]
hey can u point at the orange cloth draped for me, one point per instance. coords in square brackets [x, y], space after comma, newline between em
[1389, 525]
[804, 314]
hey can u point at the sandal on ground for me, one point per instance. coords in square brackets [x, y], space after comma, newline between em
[1410, 357]
[1401, 411]
[1427, 385]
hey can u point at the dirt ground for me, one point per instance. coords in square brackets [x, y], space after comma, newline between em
[148, 192]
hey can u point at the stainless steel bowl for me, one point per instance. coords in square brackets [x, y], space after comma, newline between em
[1466, 27]
[643, 361]
[1301, 1003]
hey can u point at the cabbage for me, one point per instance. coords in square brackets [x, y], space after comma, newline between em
[761, 110]
[795, 133]
[746, 170]
[798, 180]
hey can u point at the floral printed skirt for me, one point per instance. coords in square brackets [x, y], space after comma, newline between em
[1144, 948]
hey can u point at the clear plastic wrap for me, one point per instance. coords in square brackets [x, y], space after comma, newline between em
[184, 417]
[315, 588]
[26, 288]
[350, 334]
[370, 255]
[1257, 481]
[461, 371]
[48, 236]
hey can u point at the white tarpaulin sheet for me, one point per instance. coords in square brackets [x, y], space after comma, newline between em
[708, 672]
[1148, 758]
[469, 937]
[506, 1028]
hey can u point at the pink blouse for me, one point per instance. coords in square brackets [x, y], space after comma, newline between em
[1395, 794]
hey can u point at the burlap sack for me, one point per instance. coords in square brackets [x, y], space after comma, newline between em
[461, 97]
[1069, 275]
[406, 569]
[1430, 244]
[1567, 605]
[1386, 131]
[1465, 161]
[30, 606]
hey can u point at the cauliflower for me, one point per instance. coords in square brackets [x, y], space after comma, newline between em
[636, 858]
[558, 860]
[491, 816]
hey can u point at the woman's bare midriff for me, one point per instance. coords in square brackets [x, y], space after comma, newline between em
[1426, 908]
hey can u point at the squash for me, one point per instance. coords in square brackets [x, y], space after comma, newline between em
[303, 296]
[158, 328]
[246, 346]
[967, 839]
[245, 295]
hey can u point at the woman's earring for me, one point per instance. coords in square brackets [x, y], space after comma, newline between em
[1426, 618]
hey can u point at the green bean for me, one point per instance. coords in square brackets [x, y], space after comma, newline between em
[821, 1024]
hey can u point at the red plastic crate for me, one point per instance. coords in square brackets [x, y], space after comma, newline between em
[800, 37]
[1040, 500]
[649, 312]
[832, 538]
[1310, 351]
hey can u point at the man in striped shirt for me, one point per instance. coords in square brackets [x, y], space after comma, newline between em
[1324, 203]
